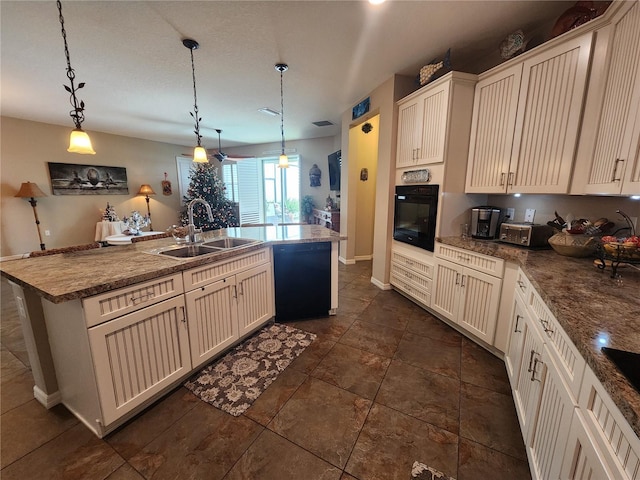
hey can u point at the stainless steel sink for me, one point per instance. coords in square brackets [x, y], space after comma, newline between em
[229, 242]
[189, 251]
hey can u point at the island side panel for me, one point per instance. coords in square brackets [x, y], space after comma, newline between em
[36, 338]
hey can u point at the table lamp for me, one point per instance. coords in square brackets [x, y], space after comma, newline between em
[31, 191]
[146, 190]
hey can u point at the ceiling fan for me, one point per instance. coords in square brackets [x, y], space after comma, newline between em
[221, 156]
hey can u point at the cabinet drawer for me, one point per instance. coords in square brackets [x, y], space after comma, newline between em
[570, 363]
[109, 305]
[198, 277]
[609, 429]
[483, 263]
[408, 276]
[408, 287]
[409, 263]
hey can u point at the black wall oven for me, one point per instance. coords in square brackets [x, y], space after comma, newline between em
[414, 221]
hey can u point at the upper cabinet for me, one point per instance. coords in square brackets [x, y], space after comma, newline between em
[608, 160]
[424, 120]
[526, 121]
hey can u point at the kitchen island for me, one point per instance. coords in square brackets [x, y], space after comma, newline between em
[110, 330]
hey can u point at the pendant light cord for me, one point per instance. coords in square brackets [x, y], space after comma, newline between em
[195, 100]
[77, 114]
[281, 68]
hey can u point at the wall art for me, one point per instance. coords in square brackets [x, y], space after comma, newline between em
[361, 108]
[75, 179]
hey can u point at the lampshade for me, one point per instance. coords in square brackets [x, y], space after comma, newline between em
[200, 155]
[30, 190]
[79, 142]
[283, 161]
[146, 190]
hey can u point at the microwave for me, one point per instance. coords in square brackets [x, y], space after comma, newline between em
[414, 220]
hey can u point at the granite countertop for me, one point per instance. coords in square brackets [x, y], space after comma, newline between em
[68, 276]
[594, 309]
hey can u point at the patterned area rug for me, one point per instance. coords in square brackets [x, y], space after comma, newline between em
[233, 382]
[422, 472]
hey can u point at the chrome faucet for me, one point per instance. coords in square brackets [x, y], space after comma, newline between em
[192, 227]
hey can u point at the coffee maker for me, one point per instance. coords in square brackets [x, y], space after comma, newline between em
[485, 222]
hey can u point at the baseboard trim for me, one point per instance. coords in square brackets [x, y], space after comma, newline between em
[48, 400]
[362, 258]
[346, 261]
[381, 285]
[14, 257]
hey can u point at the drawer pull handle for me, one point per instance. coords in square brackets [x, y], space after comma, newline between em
[142, 298]
[521, 285]
[615, 170]
[518, 317]
[533, 352]
[545, 327]
[533, 370]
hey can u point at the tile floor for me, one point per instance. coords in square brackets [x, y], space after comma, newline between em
[384, 384]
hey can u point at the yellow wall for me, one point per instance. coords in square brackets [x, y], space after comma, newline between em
[28, 146]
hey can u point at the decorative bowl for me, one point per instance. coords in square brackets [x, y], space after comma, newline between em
[179, 233]
[573, 245]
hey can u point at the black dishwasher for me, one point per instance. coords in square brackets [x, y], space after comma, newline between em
[302, 280]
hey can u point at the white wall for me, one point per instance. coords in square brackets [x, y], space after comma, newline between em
[28, 146]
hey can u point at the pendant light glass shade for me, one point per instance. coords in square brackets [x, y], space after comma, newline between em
[200, 155]
[79, 142]
[283, 162]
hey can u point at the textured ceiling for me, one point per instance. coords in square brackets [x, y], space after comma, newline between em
[138, 73]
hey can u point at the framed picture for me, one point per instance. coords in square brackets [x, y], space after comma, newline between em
[361, 108]
[75, 179]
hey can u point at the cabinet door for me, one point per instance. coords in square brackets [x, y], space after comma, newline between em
[137, 355]
[409, 126]
[551, 426]
[478, 310]
[255, 298]
[434, 110]
[213, 319]
[582, 459]
[608, 141]
[446, 289]
[492, 128]
[549, 109]
[513, 357]
[526, 395]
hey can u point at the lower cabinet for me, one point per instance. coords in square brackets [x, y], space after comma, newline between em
[467, 297]
[513, 356]
[137, 355]
[412, 274]
[223, 311]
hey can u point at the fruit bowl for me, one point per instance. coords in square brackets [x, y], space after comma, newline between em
[573, 245]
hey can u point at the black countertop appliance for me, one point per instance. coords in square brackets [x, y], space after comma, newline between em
[485, 222]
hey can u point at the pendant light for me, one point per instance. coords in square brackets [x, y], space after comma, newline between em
[79, 141]
[199, 153]
[284, 160]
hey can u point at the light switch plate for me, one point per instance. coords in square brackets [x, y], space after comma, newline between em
[511, 213]
[529, 214]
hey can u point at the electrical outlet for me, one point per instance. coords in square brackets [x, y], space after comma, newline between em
[529, 214]
[47, 233]
[511, 213]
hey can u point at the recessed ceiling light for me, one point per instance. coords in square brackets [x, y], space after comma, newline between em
[269, 111]
[376, 2]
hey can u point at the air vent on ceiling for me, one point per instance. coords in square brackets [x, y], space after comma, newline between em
[323, 123]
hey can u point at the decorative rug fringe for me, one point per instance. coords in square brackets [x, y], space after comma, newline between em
[423, 472]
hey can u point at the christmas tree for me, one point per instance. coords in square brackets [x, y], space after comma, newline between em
[205, 184]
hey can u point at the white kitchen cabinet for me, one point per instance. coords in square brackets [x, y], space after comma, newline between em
[528, 145]
[550, 427]
[467, 297]
[531, 375]
[412, 274]
[513, 356]
[608, 160]
[422, 124]
[425, 120]
[137, 355]
[582, 459]
[230, 300]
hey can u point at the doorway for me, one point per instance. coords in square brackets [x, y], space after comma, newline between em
[363, 170]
